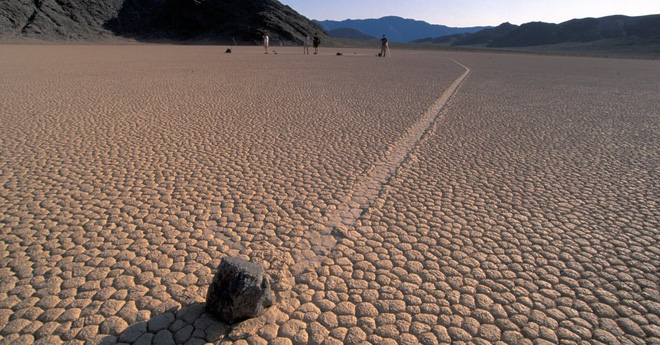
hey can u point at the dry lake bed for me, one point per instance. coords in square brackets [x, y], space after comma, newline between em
[430, 197]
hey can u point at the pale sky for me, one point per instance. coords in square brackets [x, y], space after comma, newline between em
[463, 13]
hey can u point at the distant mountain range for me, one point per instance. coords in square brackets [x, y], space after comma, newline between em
[154, 20]
[539, 33]
[397, 29]
[349, 33]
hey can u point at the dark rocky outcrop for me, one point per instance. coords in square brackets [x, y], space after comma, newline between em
[217, 21]
[56, 19]
[224, 20]
[240, 290]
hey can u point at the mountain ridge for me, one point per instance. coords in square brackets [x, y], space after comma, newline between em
[397, 29]
[540, 33]
[350, 33]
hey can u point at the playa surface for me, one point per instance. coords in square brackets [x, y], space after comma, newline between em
[424, 198]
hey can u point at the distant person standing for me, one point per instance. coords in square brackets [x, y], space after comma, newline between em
[306, 41]
[266, 43]
[384, 47]
[316, 41]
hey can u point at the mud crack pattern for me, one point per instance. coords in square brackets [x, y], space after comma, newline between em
[528, 213]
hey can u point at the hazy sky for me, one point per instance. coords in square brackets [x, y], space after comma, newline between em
[458, 13]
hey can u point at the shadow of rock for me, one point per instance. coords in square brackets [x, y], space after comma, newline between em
[190, 325]
[172, 324]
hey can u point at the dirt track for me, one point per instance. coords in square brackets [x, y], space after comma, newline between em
[525, 210]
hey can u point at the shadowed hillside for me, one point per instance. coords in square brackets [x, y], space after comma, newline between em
[62, 19]
[177, 20]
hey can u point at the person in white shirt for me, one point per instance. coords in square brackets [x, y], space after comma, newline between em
[306, 41]
[266, 42]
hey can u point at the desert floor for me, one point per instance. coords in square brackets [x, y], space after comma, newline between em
[426, 198]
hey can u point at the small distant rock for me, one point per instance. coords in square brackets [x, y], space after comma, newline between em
[228, 50]
[240, 290]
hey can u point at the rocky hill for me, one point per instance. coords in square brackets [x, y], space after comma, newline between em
[154, 20]
[581, 30]
[646, 28]
[481, 37]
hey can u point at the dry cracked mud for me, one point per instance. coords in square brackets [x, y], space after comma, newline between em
[424, 198]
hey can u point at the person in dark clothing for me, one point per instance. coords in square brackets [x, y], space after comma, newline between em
[384, 47]
[316, 41]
